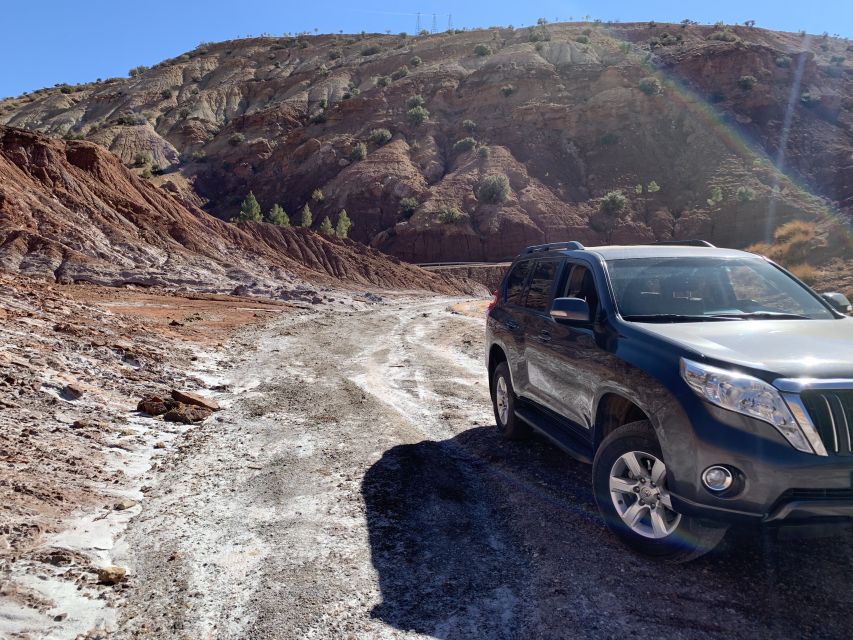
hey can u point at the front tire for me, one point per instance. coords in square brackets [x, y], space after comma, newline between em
[629, 481]
[503, 401]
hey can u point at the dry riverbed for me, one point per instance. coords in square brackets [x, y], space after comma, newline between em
[354, 486]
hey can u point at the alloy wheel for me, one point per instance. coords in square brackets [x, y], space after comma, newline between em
[639, 494]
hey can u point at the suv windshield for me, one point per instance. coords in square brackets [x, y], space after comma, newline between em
[707, 289]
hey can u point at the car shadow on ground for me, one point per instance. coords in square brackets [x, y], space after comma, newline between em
[475, 537]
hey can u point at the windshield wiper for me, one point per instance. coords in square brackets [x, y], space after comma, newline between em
[676, 317]
[761, 315]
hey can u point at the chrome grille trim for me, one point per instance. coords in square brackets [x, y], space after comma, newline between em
[801, 415]
[798, 385]
[831, 422]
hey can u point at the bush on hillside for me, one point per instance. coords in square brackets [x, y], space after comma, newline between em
[359, 152]
[493, 189]
[408, 206]
[415, 101]
[236, 139]
[402, 72]
[483, 50]
[747, 82]
[417, 115]
[613, 202]
[380, 136]
[650, 86]
[463, 145]
[415, 61]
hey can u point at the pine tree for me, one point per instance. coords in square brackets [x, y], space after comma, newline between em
[278, 216]
[307, 219]
[250, 209]
[344, 224]
[326, 227]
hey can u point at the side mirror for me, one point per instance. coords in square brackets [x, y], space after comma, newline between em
[837, 301]
[572, 310]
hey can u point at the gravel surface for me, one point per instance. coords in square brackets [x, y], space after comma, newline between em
[354, 486]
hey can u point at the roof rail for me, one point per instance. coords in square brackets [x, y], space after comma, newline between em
[573, 245]
[685, 243]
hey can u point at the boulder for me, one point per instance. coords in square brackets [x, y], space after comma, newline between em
[187, 414]
[112, 575]
[195, 399]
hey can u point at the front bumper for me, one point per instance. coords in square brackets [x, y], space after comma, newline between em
[778, 484]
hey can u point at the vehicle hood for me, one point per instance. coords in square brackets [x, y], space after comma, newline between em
[786, 348]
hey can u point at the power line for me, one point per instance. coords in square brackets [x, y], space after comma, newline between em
[450, 22]
[434, 26]
[418, 27]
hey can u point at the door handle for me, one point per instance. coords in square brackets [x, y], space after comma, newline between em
[545, 335]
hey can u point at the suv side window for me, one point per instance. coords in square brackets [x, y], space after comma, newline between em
[541, 284]
[581, 284]
[515, 282]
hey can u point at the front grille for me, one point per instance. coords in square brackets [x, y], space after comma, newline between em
[831, 412]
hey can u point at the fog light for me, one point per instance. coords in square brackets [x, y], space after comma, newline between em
[717, 478]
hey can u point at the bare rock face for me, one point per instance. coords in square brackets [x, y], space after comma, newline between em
[70, 211]
[561, 110]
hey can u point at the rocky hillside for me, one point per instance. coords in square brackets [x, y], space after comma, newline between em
[70, 211]
[469, 145]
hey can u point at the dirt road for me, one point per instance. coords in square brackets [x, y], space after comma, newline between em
[355, 487]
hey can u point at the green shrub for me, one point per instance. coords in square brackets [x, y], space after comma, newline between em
[166, 94]
[484, 152]
[582, 39]
[380, 136]
[402, 72]
[278, 216]
[746, 82]
[650, 86]
[613, 202]
[449, 215]
[493, 189]
[715, 196]
[507, 90]
[839, 60]
[65, 88]
[141, 158]
[745, 194]
[236, 139]
[483, 50]
[415, 61]
[344, 224]
[131, 119]
[372, 50]
[306, 219]
[250, 209]
[415, 101]
[783, 62]
[383, 81]
[323, 104]
[359, 152]
[137, 71]
[465, 144]
[539, 35]
[326, 227]
[723, 35]
[146, 172]
[199, 156]
[334, 54]
[317, 195]
[408, 206]
[417, 115]
[469, 125]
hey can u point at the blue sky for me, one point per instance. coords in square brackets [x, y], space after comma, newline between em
[44, 42]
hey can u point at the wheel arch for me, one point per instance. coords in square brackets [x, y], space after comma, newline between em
[612, 411]
[496, 356]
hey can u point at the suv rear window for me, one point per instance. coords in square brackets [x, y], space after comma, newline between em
[515, 282]
[541, 283]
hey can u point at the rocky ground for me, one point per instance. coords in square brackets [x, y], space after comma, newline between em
[354, 486]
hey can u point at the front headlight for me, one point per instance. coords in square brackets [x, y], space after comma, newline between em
[744, 394]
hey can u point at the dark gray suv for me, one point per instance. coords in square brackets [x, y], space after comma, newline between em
[706, 386]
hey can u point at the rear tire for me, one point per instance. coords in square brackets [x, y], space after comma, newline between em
[503, 401]
[629, 481]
